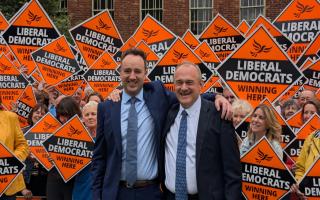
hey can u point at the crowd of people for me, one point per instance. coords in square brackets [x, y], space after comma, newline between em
[151, 143]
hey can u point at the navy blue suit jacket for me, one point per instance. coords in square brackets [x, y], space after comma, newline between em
[106, 162]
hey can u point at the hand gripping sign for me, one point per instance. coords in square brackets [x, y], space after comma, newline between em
[166, 66]
[12, 82]
[29, 30]
[102, 76]
[10, 168]
[43, 129]
[56, 61]
[96, 35]
[264, 175]
[259, 68]
[222, 37]
[71, 148]
[310, 182]
[299, 21]
[156, 35]
[294, 147]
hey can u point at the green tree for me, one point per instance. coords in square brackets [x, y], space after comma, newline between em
[59, 17]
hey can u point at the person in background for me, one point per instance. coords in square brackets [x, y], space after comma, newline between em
[77, 96]
[263, 123]
[95, 96]
[305, 95]
[289, 108]
[35, 176]
[240, 109]
[228, 95]
[12, 137]
[309, 108]
[83, 180]
[56, 187]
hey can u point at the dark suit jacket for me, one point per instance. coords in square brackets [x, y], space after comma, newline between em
[106, 161]
[218, 168]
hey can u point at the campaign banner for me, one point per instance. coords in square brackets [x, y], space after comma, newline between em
[242, 128]
[191, 40]
[259, 68]
[24, 106]
[152, 57]
[56, 61]
[294, 147]
[295, 121]
[10, 168]
[287, 135]
[95, 36]
[293, 90]
[311, 52]
[243, 27]
[222, 37]
[12, 82]
[69, 86]
[264, 175]
[82, 64]
[310, 182]
[166, 66]
[30, 29]
[71, 148]
[38, 133]
[300, 22]
[102, 76]
[282, 40]
[312, 73]
[3, 26]
[157, 36]
[130, 43]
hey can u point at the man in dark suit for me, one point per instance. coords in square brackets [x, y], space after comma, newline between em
[126, 154]
[200, 156]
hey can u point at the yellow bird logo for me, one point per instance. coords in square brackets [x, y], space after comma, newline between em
[302, 9]
[258, 48]
[33, 18]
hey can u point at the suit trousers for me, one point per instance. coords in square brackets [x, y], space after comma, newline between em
[150, 192]
[171, 196]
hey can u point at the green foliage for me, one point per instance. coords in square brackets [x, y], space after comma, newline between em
[60, 19]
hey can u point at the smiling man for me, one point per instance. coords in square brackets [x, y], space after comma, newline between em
[199, 149]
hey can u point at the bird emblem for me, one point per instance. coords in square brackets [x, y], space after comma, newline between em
[258, 48]
[179, 56]
[203, 54]
[302, 9]
[26, 97]
[102, 25]
[48, 126]
[149, 33]
[105, 62]
[73, 131]
[33, 18]
[59, 48]
[4, 67]
[192, 46]
[219, 29]
[262, 156]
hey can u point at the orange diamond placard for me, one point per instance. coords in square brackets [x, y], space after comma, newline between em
[71, 148]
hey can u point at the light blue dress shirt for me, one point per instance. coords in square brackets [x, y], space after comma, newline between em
[147, 164]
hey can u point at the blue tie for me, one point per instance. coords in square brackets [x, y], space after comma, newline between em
[181, 180]
[131, 152]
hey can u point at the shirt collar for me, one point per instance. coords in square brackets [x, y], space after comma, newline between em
[126, 97]
[193, 109]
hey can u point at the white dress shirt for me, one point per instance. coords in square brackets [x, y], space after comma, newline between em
[172, 145]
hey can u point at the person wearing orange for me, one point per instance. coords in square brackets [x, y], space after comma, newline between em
[12, 137]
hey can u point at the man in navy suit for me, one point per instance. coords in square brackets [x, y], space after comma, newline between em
[200, 156]
[122, 171]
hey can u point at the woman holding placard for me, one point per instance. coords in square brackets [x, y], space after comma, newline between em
[263, 123]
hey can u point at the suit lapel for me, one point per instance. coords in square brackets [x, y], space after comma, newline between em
[202, 127]
[116, 123]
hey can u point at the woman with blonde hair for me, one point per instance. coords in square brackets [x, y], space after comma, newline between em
[240, 109]
[263, 123]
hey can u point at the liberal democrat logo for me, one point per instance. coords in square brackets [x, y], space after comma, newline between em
[302, 9]
[219, 29]
[258, 48]
[102, 25]
[263, 156]
[178, 56]
[149, 33]
[33, 18]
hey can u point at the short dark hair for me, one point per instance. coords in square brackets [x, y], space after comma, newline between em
[35, 108]
[135, 52]
[94, 94]
[68, 108]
